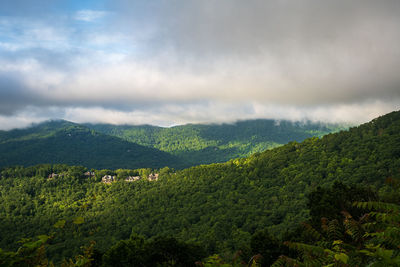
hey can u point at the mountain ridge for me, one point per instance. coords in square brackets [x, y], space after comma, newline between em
[210, 143]
[176, 147]
[70, 143]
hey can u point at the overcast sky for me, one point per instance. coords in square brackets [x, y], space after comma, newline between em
[179, 61]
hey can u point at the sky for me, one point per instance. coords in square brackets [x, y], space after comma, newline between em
[188, 61]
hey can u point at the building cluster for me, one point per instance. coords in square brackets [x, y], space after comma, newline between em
[153, 177]
[89, 174]
[108, 179]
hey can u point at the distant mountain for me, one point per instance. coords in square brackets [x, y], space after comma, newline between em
[197, 144]
[110, 146]
[70, 143]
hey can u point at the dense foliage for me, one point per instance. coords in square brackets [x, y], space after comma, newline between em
[367, 239]
[108, 146]
[68, 143]
[219, 206]
[370, 238]
[197, 144]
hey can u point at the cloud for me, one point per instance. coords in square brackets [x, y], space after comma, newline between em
[200, 112]
[28, 116]
[307, 51]
[217, 112]
[89, 15]
[191, 61]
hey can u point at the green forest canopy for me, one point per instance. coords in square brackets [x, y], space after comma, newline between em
[211, 143]
[107, 146]
[219, 205]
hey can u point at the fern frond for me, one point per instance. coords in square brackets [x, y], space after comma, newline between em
[306, 248]
[354, 229]
[315, 262]
[390, 236]
[324, 244]
[376, 205]
[312, 232]
[386, 217]
[370, 227]
[286, 261]
[334, 231]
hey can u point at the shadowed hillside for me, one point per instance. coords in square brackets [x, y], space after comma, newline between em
[203, 144]
[69, 143]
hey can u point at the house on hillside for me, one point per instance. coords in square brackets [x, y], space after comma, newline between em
[89, 174]
[153, 177]
[108, 179]
[132, 178]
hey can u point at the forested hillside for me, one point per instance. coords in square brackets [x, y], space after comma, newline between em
[113, 147]
[211, 143]
[69, 143]
[219, 206]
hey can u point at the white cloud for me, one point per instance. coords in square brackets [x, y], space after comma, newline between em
[26, 118]
[11, 46]
[210, 112]
[168, 63]
[89, 15]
